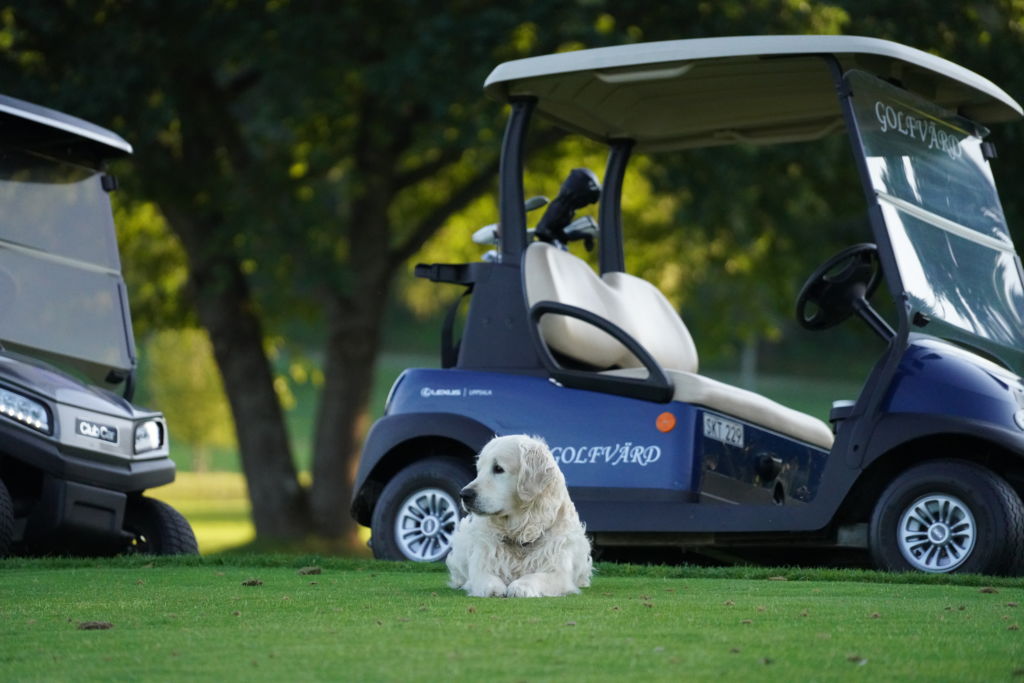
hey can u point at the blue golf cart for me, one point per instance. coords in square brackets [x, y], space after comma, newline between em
[923, 471]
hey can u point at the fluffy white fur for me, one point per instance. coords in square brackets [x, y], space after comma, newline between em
[522, 536]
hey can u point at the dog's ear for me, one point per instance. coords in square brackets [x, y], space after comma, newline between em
[537, 469]
[541, 488]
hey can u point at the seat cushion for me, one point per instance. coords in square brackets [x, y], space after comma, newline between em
[642, 311]
[742, 404]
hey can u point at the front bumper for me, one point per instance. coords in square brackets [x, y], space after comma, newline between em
[74, 518]
[89, 468]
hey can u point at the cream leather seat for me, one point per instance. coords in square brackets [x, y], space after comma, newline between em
[640, 309]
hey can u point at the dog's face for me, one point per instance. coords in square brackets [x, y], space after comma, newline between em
[511, 472]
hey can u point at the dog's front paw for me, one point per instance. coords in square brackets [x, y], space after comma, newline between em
[523, 588]
[487, 587]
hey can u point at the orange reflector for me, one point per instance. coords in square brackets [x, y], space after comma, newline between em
[666, 422]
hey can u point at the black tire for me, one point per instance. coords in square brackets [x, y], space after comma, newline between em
[422, 499]
[948, 516]
[158, 529]
[6, 521]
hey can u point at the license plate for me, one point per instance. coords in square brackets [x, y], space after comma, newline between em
[726, 431]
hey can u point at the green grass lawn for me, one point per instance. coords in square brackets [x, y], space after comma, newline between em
[192, 618]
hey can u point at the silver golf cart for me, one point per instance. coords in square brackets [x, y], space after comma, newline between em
[75, 457]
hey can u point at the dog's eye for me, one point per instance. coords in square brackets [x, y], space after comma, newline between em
[498, 469]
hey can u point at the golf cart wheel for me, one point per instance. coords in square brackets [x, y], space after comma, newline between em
[415, 516]
[158, 529]
[6, 521]
[948, 516]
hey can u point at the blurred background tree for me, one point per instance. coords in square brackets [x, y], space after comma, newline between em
[293, 159]
[181, 377]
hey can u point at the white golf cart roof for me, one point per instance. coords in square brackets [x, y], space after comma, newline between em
[34, 125]
[714, 91]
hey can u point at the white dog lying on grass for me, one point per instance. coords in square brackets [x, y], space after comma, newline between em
[522, 537]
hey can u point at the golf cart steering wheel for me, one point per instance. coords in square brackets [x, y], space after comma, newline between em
[839, 287]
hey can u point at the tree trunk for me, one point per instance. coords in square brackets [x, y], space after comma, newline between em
[278, 501]
[354, 326]
[226, 309]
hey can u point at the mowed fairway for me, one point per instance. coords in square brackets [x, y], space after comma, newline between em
[363, 620]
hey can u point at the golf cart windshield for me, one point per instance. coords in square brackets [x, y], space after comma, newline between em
[61, 291]
[942, 213]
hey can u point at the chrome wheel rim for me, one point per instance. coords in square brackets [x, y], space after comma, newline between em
[425, 524]
[936, 533]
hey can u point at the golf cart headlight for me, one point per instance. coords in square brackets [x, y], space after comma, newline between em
[148, 436]
[24, 410]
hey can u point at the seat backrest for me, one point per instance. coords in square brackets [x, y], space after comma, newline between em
[644, 312]
[555, 275]
[630, 302]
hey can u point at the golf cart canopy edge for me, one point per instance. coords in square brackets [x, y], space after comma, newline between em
[44, 129]
[729, 88]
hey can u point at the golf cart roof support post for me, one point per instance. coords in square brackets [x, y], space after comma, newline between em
[610, 253]
[512, 213]
[855, 443]
[129, 380]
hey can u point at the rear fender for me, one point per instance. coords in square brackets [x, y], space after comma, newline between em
[385, 452]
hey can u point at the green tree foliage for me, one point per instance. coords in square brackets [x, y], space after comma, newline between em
[716, 230]
[729, 234]
[181, 377]
[154, 265]
[302, 154]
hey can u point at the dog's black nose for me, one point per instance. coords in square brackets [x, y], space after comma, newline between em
[468, 495]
